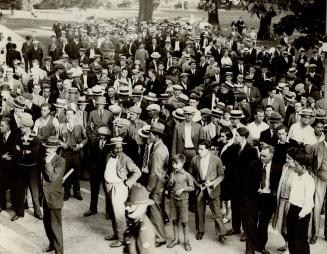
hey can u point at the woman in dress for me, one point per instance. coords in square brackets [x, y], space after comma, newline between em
[283, 193]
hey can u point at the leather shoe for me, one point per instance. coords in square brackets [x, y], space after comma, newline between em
[111, 238]
[66, 196]
[243, 237]
[187, 246]
[158, 244]
[313, 239]
[107, 216]
[78, 196]
[48, 249]
[16, 217]
[199, 236]
[222, 239]
[89, 213]
[232, 232]
[116, 244]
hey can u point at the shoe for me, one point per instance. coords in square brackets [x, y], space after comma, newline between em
[66, 196]
[16, 217]
[116, 244]
[222, 239]
[226, 220]
[48, 249]
[38, 216]
[243, 237]
[78, 196]
[233, 232]
[158, 244]
[111, 238]
[313, 239]
[89, 213]
[187, 246]
[283, 248]
[199, 236]
[172, 244]
[0, 210]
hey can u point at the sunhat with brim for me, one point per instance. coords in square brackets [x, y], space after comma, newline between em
[51, 142]
[144, 131]
[236, 114]
[178, 114]
[138, 195]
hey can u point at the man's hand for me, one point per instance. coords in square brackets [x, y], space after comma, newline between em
[64, 145]
[18, 147]
[78, 147]
[179, 191]
[7, 157]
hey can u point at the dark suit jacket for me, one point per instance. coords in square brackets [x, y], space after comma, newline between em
[96, 121]
[53, 173]
[98, 156]
[35, 54]
[215, 173]
[154, 87]
[265, 136]
[179, 137]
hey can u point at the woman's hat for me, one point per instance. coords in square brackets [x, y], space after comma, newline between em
[138, 195]
[52, 142]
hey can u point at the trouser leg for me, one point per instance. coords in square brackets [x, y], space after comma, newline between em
[95, 182]
[56, 225]
[318, 203]
[76, 173]
[250, 215]
[156, 217]
[236, 214]
[214, 205]
[33, 185]
[200, 212]
[47, 223]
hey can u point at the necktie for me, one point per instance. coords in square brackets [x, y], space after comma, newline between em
[4, 139]
[263, 177]
[101, 144]
[145, 156]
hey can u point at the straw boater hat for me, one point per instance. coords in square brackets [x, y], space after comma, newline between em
[306, 112]
[153, 107]
[144, 131]
[236, 114]
[116, 141]
[82, 100]
[155, 55]
[98, 90]
[19, 102]
[217, 112]
[52, 142]
[123, 91]
[60, 103]
[138, 195]
[321, 114]
[151, 97]
[188, 110]
[101, 101]
[178, 114]
[85, 67]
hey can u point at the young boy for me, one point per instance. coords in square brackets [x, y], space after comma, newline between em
[182, 185]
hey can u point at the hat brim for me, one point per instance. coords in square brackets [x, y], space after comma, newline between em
[150, 98]
[148, 202]
[237, 117]
[116, 143]
[51, 146]
[18, 106]
[158, 132]
[100, 103]
[104, 134]
[122, 93]
[82, 103]
[142, 134]
[58, 105]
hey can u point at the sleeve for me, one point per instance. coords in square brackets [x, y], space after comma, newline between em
[36, 127]
[220, 173]
[174, 144]
[54, 172]
[308, 200]
[156, 171]
[134, 170]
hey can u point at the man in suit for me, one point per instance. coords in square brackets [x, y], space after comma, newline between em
[7, 139]
[99, 150]
[319, 169]
[208, 172]
[158, 166]
[72, 139]
[25, 50]
[153, 84]
[48, 67]
[242, 155]
[98, 117]
[269, 136]
[53, 169]
[120, 174]
[35, 52]
[187, 136]
[276, 102]
[252, 93]
[259, 190]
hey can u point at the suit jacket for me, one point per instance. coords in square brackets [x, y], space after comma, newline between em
[317, 154]
[7, 147]
[35, 54]
[153, 86]
[95, 121]
[53, 173]
[215, 174]
[179, 137]
[98, 157]
[158, 166]
[265, 136]
[277, 104]
[126, 169]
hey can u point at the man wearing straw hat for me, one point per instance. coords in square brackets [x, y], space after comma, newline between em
[120, 174]
[53, 170]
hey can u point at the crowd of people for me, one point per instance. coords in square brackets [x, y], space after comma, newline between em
[173, 111]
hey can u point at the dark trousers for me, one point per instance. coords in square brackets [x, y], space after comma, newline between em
[236, 204]
[4, 180]
[214, 205]
[52, 221]
[19, 187]
[33, 183]
[297, 231]
[325, 233]
[156, 216]
[73, 160]
[250, 213]
[96, 179]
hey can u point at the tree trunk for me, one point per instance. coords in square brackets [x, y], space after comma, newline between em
[264, 28]
[145, 10]
[213, 17]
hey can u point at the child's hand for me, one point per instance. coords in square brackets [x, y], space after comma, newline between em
[179, 192]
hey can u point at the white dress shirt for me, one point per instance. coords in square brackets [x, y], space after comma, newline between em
[110, 174]
[188, 136]
[256, 129]
[302, 191]
[204, 166]
[304, 135]
[266, 189]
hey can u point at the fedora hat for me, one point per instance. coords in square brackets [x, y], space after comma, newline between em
[52, 142]
[217, 112]
[104, 131]
[19, 102]
[178, 114]
[221, 105]
[275, 117]
[144, 131]
[98, 90]
[97, 68]
[138, 195]
[236, 114]
[82, 100]
[60, 103]
[116, 141]
[151, 97]
[183, 98]
[101, 100]
[157, 128]
[321, 114]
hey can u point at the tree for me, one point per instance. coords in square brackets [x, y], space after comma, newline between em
[309, 18]
[145, 10]
[212, 6]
